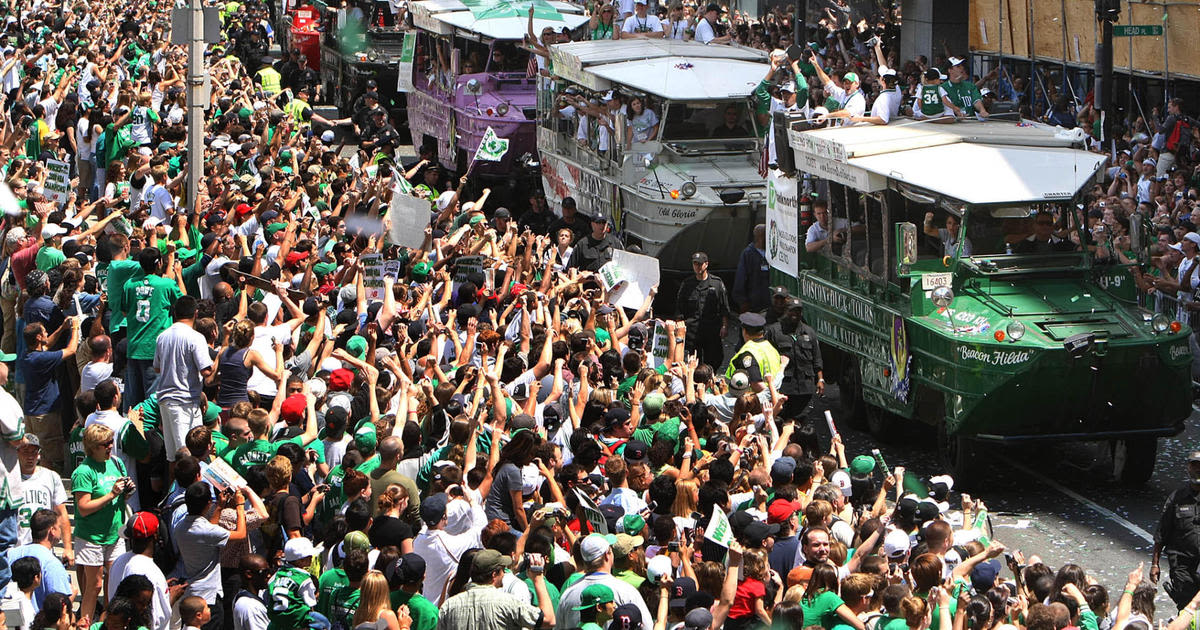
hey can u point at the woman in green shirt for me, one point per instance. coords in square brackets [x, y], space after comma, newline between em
[100, 485]
[821, 603]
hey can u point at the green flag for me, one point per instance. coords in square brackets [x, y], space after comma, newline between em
[491, 147]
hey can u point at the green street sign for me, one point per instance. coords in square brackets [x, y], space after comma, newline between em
[1137, 30]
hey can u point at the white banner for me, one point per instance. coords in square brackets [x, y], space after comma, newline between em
[372, 270]
[719, 530]
[783, 232]
[632, 275]
[404, 68]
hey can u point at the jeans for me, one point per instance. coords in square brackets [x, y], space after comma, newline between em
[317, 621]
[140, 379]
[9, 523]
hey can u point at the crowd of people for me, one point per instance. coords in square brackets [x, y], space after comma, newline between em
[217, 419]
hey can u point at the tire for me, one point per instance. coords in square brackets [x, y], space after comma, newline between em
[853, 407]
[882, 424]
[958, 455]
[1133, 460]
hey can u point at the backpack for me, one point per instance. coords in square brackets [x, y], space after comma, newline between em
[165, 555]
[1181, 131]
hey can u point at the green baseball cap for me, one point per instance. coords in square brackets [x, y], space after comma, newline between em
[365, 440]
[862, 465]
[420, 271]
[851, 77]
[184, 253]
[275, 227]
[324, 268]
[653, 403]
[594, 595]
[211, 412]
[632, 524]
[356, 540]
[357, 346]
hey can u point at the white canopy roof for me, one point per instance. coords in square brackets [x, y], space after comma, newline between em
[509, 28]
[992, 162]
[683, 71]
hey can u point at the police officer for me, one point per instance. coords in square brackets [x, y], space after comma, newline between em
[269, 79]
[756, 356]
[804, 375]
[1178, 536]
[779, 304]
[703, 303]
[595, 249]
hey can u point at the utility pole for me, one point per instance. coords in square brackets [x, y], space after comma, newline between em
[799, 28]
[197, 97]
[1107, 12]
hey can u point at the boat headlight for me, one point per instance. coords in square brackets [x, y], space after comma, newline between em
[687, 190]
[941, 296]
[1015, 330]
[1159, 323]
[502, 109]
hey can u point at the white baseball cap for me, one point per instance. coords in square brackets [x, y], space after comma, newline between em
[657, 567]
[444, 199]
[327, 136]
[50, 230]
[298, 549]
[894, 544]
[330, 364]
[594, 546]
[954, 61]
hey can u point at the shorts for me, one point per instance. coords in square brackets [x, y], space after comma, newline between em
[90, 554]
[177, 420]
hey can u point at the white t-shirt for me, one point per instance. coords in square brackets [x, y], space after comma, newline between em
[249, 613]
[676, 29]
[93, 374]
[42, 490]
[130, 563]
[648, 24]
[887, 105]
[160, 201]
[211, 277]
[442, 552]
[704, 32]
[24, 607]
[626, 7]
[85, 147]
[335, 450]
[259, 382]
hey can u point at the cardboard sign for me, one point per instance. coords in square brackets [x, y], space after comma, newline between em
[591, 513]
[719, 529]
[409, 216]
[404, 67]
[467, 265]
[372, 269]
[58, 181]
[628, 278]
[661, 344]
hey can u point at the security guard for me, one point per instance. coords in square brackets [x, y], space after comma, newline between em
[595, 249]
[804, 374]
[703, 303]
[779, 304]
[756, 356]
[1178, 536]
[269, 78]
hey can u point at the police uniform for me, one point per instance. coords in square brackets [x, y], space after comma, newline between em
[1179, 537]
[270, 81]
[798, 342]
[757, 356]
[591, 254]
[704, 305]
[778, 306]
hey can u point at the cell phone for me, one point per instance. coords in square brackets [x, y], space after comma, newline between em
[673, 546]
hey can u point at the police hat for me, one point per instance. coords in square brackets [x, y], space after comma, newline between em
[752, 320]
[699, 257]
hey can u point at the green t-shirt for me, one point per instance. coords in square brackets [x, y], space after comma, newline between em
[96, 479]
[963, 94]
[192, 274]
[336, 599]
[667, 429]
[250, 454]
[149, 408]
[119, 273]
[369, 466]
[424, 614]
[333, 500]
[288, 609]
[148, 302]
[49, 258]
[220, 442]
[627, 576]
[822, 609]
[75, 454]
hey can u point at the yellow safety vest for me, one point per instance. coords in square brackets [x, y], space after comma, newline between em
[296, 108]
[269, 79]
[764, 354]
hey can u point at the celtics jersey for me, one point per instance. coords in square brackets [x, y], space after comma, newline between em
[75, 452]
[929, 100]
[333, 500]
[293, 596]
[148, 305]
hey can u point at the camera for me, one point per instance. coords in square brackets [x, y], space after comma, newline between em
[873, 41]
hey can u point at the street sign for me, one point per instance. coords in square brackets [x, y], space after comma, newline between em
[1137, 30]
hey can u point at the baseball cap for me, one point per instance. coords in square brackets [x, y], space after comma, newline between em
[433, 509]
[698, 619]
[851, 77]
[631, 524]
[626, 544]
[407, 569]
[896, 543]
[657, 567]
[636, 451]
[298, 549]
[1193, 457]
[356, 540]
[739, 382]
[594, 546]
[983, 576]
[31, 439]
[489, 560]
[652, 404]
[357, 346]
[293, 408]
[594, 594]
[420, 271]
[613, 417]
[954, 61]
[780, 291]
[627, 616]
[143, 525]
[681, 589]
[341, 379]
[842, 480]
[365, 439]
[782, 469]
[757, 532]
[788, 86]
[862, 465]
[700, 257]
[1193, 237]
[885, 71]
[781, 510]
